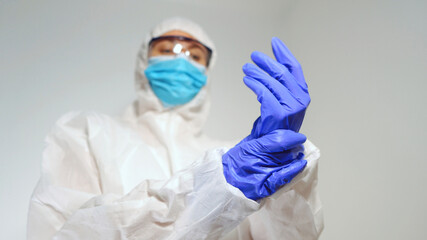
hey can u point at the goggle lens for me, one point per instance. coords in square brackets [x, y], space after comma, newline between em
[174, 45]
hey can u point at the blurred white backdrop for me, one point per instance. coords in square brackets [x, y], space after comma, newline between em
[365, 63]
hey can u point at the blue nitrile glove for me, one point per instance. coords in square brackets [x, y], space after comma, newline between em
[280, 88]
[259, 167]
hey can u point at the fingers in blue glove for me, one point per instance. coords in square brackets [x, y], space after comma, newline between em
[264, 96]
[272, 113]
[262, 92]
[283, 101]
[285, 97]
[276, 141]
[282, 74]
[258, 167]
[284, 56]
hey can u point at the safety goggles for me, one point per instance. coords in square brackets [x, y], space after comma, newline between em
[175, 45]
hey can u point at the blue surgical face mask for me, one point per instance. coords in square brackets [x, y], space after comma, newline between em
[174, 79]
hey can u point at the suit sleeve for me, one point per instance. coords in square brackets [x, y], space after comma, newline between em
[75, 200]
[294, 212]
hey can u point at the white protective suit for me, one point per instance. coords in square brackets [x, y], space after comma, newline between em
[154, 175]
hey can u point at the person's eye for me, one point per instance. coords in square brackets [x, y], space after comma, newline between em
[165, 51]
[196, 58]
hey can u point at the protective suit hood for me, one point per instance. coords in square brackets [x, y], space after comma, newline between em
[147, 105]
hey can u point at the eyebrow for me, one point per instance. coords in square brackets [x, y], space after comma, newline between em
[195, 45]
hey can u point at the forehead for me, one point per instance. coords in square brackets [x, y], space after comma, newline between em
[178, 33]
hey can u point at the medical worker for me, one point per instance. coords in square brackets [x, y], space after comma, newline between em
[154, 175]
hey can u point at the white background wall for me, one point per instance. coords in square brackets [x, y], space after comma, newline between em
[365, 63]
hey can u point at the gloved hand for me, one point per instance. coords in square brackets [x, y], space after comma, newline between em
[259, 167]
[280, 88]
